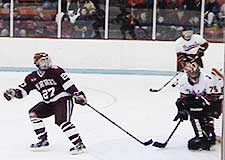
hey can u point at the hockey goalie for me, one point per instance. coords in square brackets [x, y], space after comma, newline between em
[200, 101]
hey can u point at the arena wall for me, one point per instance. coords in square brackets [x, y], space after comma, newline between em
[101, 54]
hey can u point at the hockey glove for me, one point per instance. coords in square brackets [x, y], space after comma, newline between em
[10, 94]
[182, 115]
[80, 98]
[215, 109]
[200, 52]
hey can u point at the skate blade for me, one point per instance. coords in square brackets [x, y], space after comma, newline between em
[78, 152]
[40, 149]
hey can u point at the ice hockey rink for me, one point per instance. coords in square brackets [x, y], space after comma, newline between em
[125, 99]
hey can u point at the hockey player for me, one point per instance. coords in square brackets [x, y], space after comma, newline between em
[189, 44]
[217, 91]
[201, 99]
[58, 92]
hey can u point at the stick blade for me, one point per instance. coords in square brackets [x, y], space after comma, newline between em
[159, 145]
[153, 90]
[148, 142]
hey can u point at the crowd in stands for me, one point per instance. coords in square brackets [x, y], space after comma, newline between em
[188, 13]
[81, 19]
[128, 19]
[172, 16]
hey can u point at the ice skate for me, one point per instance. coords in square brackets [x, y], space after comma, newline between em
[40, 146]
[78, 149]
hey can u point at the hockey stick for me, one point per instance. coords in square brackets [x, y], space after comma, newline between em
[173, 85]
[163, 145]
[157, 90]
[144, 143]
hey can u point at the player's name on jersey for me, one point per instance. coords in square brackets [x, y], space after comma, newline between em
[45, 82]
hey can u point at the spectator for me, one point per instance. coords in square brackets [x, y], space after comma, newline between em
[127, 23]
[89, 5]
[4, 33]
[180, 18]
[142, 23]
[212, 10]
[22, 33]
[99, 21]
[83, 25]
[70, 8]
[222, 10]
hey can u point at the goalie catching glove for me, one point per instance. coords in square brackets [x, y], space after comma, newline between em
[12, 93]
[80, 98]
[182, 112]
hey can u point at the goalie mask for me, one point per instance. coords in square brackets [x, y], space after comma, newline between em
[193, 71]
[42, 61]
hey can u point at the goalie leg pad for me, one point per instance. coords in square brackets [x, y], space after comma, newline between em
[208, 130]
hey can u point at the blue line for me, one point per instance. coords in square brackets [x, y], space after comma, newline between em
[97, 71]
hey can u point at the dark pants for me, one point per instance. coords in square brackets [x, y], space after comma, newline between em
[61, 109]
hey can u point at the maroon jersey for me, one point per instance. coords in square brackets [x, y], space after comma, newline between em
[53, 84]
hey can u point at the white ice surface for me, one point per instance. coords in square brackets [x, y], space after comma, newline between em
[125, 99]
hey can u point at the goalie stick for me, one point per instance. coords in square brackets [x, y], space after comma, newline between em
[217, 73]
[157, 90]
[174, 84]
[144, 143]
[163, 145]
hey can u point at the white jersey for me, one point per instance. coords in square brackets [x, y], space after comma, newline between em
[217, 83]
[203, 87]
[191, 46]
